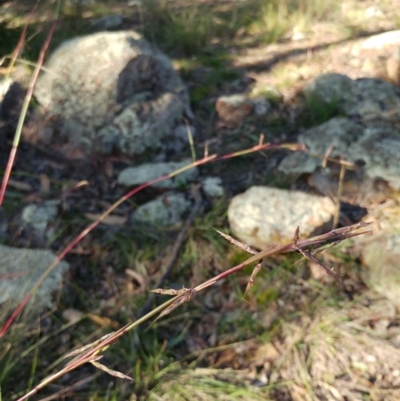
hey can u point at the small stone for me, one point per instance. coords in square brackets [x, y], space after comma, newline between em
[212, 186]
[232, 110]
[261, 105]
[35, 224]
[146, 172]
[166, 210]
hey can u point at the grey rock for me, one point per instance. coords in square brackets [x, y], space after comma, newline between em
[180, 139]
[38, 219]
[149, 171]
[3, 224]
[299, 163]
[261, 105]
[262, 216]
[368, 98]
[376, 144]
[379, 149]
[166, 210]
[19, 271]
[339, 132]
[212, 186]
[364, 98]
[109, 22]
[328, 88]
[112, 91]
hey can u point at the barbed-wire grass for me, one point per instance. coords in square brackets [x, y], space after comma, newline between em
[93, 352]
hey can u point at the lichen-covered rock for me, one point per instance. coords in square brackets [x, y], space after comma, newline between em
[328, 88]
[262, 216]
[379, 149]
[376, 144]
[35, 224]
[362, 98]
[212, 186]
[166, 210]
[338, 132]
[20, 269]
[370, 98]
[149, 171]
[112, 91]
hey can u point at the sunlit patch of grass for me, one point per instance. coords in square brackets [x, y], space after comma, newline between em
[205, 384]
[278, 18]
[192, 29]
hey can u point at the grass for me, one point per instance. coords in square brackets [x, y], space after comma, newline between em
[199, 35]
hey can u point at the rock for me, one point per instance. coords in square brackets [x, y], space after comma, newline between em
[381, 40]
[363, 98]
[328, 88]
[109, 22]
[35, 223]
[212, 186]
[376, 144]
[166, 210]
[379, 149]
[261, 105]
[368, 98]
[392, 67]
[339, 132]
[380, 257]
[380, 251]
[19, 271]
[298, 163]
[147, 172]
[262, 216]
[112, 91]
[3, 224]
[232, 110]
[180, 139]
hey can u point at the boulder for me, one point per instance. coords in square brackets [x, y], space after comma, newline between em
[262, 216]
[112, 91]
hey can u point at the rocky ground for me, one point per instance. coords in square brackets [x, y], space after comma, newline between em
[299, 335]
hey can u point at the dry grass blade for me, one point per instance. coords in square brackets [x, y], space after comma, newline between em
[310, 256]
[111, 372]
[87, 347]
[168, 291]
[234, 241]
[252, 278]
[184, 297]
